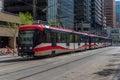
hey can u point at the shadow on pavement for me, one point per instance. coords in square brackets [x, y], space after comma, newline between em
[107, 72]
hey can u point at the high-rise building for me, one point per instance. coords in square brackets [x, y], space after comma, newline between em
[84, 15]
[82, 12]
[97, 16]
[89, 16]
[63, 11]
[117, 13]
[109, 9]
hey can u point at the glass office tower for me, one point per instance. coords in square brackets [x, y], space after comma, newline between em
[63, 11]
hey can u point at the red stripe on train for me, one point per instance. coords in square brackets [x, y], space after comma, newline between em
[48, 48]
[57, 47]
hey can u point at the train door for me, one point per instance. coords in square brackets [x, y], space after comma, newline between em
[83, 42]
[67, 40]
[98, 42]
[87, 42]
[79, 41]
[94, 42]
[90, 40]
[53, 42]
[72, 41]
[38, 37]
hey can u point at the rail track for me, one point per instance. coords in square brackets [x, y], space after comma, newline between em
[48, 64]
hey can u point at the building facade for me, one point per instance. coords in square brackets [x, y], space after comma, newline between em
[44, 10]
[114, 34]
[84, 15]
[109, 9]
[97, 16]
[33, 6]
[1, 5]
[82, 12]
[7, 37]
[117, 13]
[89, 16]
[63, 11]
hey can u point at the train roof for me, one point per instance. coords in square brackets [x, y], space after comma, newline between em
[31, 27]
[93, 35]
[57, 28]
[42, 27]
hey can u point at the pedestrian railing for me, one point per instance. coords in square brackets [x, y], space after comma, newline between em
[5, 51]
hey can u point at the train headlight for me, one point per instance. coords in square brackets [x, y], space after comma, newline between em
[30, 47]
[19, 48]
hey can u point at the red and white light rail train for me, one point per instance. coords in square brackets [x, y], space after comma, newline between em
[39, 39]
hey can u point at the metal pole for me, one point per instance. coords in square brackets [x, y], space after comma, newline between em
[34, 9]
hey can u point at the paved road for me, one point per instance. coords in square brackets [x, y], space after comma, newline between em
[99, 64]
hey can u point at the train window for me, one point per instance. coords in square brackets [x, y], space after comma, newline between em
[67, 40]
[83, 39]
[97, 40]
[92, 40]
[71, 38]
[53, 38]
[26, 37]
[38, 37]
[63, 37]
[47, 37]
[79, 39]
[87, 39]
[58, 37]
[76, 38]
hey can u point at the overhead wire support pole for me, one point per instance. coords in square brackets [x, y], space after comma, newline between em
[34, 9]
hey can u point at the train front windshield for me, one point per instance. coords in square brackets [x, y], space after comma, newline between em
[26, 37]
